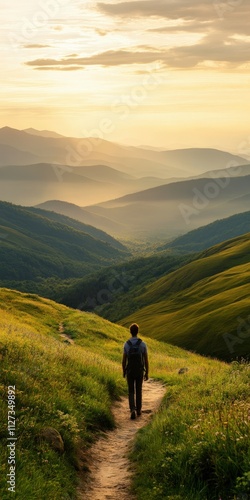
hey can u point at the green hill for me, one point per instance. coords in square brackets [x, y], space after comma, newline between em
[78, 225]
[203, 306]
[207, 236]
[111, 291]
[64, 392]
[33, 246]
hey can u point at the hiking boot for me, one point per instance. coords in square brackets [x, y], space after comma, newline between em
[132, 416]
[138, 413]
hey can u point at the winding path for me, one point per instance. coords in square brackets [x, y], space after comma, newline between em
[110, 470]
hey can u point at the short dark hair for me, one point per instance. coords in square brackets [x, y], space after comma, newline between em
[134, 329]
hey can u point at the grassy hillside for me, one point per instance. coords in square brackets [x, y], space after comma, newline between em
[203, 306]
[207, 236]
[79, 214]
[33, 246]
[110, 292]
[78, 225]
[66, 387]
[197, 448]
[71, 388]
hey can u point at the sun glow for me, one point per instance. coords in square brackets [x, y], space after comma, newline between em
[69, 65]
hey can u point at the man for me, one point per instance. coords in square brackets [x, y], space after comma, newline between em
[134, 364]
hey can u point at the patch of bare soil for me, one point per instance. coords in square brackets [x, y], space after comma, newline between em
[64, 336]
[110, 470]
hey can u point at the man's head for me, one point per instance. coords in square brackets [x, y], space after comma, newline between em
[134, 329]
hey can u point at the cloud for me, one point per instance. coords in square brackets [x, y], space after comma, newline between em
[108, 58]
[231, 16]
[35, 46]
[101, 32]
[168, 9]
[57, 28]
[222, 52]
[184, 27]
[227, 53]
[59, 68]
[219, 21]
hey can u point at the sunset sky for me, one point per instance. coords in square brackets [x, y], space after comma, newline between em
[168, 73]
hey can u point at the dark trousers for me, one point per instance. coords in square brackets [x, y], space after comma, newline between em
[134, 392]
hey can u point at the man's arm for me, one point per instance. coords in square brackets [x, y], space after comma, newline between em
[124, 364]
[146, 365]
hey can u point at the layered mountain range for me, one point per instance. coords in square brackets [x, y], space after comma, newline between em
[38, 167]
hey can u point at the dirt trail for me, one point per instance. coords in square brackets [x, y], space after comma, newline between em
[110, 470]
[66, 337]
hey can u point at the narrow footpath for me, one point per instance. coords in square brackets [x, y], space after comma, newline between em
[110, 470]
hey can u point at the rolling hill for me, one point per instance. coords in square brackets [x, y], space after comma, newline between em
[203, 306]
[207, 236]
[79, 226]
[134, 275]
[177, 207]
[79, 214]
[34, 246]
[110, 291]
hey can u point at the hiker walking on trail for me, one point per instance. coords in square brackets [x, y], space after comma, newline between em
[135, 367]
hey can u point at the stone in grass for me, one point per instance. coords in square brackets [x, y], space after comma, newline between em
[183, 370]
[53, 438]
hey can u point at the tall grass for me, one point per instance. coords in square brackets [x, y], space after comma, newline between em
[198, 446]
[66, 387]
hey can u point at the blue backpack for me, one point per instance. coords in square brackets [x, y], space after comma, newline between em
[135, 364]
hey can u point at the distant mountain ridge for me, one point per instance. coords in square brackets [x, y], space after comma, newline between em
[164, 211]
[127, 191]
[177, 207]
[10, 155]
[36, 183]
[53, 148]
[43, 133]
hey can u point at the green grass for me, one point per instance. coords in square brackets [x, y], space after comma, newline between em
[69, 389]
[203, 306]
[110, 292]
[33, 246]
[72, 388]
[211, 234]
[197, 448]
